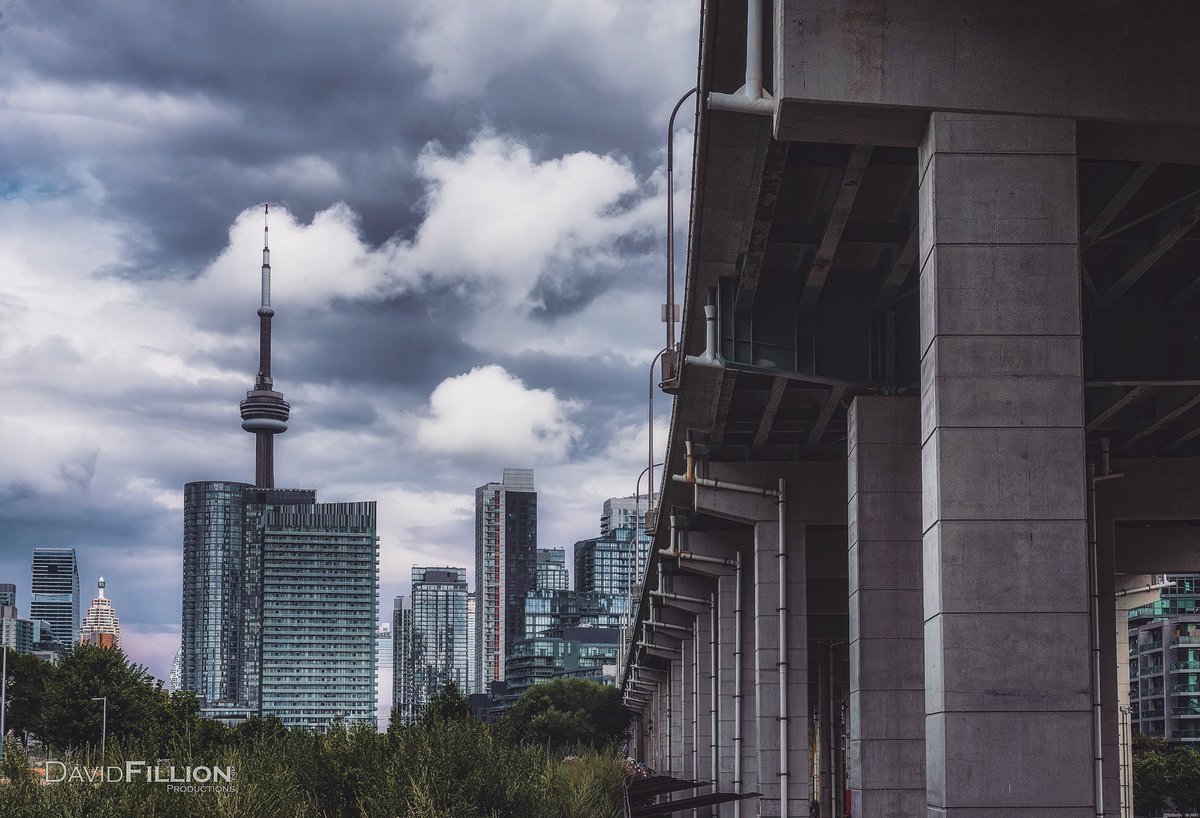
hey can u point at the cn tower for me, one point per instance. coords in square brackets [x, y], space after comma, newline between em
[264, 411]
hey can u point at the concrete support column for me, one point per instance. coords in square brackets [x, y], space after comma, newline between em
[1003, 479]
[678, 675]
[687, 767]
[726, 668]
[887, 660]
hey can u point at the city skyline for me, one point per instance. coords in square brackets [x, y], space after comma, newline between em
[136, 351]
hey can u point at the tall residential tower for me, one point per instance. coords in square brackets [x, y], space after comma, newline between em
[279, 591]
[505, 569]
[55, 597]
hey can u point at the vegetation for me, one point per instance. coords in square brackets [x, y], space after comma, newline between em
[448, 765]
[1166, 778]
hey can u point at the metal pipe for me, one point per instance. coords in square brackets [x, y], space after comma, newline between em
[678, 597]
[831, 768]
[4, 689]
[688, 555]
[1153, 587]
[737, 683]
[724, 485]
[669, 312]
[1094, 613]
[695, 713]
[711, 356]
[750, 98]
[783, 652]
[714, 685]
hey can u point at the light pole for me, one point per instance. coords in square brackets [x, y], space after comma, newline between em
[3, 694]
[103, 723]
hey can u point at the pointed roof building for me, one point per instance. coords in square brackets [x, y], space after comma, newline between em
[100, 624]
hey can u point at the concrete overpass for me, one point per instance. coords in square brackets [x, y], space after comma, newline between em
[951, 412]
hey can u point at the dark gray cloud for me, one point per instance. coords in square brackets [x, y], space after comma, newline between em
[135, 132]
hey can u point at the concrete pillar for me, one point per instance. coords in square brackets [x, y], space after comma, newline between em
[726, 667]
[678, 676]
[1002, 462]
[887, 660]
[687, 767]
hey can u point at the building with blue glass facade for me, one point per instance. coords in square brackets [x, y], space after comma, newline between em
[279, 591]
[435, 643]
[55, 597]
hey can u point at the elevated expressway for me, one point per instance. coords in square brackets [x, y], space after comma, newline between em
[952, 411]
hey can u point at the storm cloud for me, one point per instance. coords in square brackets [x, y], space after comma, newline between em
[467, 242]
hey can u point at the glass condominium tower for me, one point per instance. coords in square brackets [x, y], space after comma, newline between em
[279, 591]
[505, 569]
[55, 597]
[435, 644]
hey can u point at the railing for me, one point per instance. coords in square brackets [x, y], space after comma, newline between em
[1151, 671]
[1187, 734]
[1153, 714]
[1187, 639]
[1149, 646]
[1189, 665]
[1190, 688]
[1185, 711]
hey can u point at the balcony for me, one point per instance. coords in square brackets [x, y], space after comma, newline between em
[1188, 688]
[1152, 671]
[1186, 639]
[1187, 735]
[1153, 714]
[1185, 711]
[1146, 647]
[1189, 666]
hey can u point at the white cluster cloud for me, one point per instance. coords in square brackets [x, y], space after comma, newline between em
[488, 415]
[495, 214]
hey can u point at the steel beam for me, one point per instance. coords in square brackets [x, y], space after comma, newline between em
[1160, 422]
[1117, 203]
[839, 214]
[1159, 249]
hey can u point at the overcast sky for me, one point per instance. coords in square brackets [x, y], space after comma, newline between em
[467, 251]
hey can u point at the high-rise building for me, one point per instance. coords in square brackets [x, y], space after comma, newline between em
[436, 645]
[314, 661]
[16, 634]
[1164, 662]
[505, 568]
[547, 609]
[552, 569]
[55, 596]
[384, 668]
[624, 512]
[607, 564]
[403, 659]
[584, 653]
[279, 591]
[8, 594]
[100, 624]
[175, 680]
[472, 668]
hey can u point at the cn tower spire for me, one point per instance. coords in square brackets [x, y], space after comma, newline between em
[264, 411]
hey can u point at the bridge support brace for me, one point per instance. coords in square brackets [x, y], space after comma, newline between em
[1007, 664]
[887, 662]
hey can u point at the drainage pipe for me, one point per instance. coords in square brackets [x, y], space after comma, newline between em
[688, 555]
[724, 485]
[783, 651]
[714, 687]
[669, 309]
[750, 98]
[737, 684]
[710, 357]
[1094, 610]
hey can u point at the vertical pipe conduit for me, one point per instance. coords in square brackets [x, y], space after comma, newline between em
[784, 775]
[737, 684]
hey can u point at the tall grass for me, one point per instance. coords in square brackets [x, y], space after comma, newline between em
[450, 769]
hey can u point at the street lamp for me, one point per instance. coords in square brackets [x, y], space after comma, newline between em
[3, 693]
[103, 723]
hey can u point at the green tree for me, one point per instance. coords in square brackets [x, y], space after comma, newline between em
[1185, 780]
[567, 713]
[1152, 775]
[448, 704]
[138, 707]
[27, 680]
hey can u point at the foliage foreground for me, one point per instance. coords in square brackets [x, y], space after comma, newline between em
[449, 769]
[553, 756]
